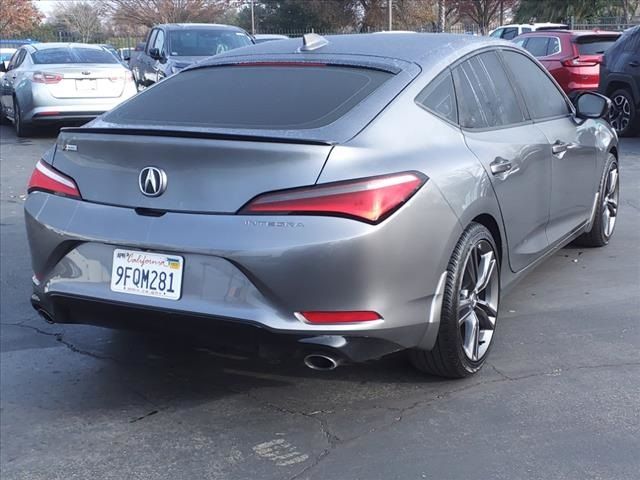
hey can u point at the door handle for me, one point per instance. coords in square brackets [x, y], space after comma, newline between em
[634, 63]
[561, 147]
[500, 165]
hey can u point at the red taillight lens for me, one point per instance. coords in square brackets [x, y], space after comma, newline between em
[580, 62]
[370, 199]
[48, 78]
[48, 179]
[325, 318]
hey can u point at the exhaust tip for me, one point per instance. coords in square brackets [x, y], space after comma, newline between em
[321, 362]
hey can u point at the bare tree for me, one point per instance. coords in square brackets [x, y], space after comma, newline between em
[80, 18]
[18, 16]
[152, 12]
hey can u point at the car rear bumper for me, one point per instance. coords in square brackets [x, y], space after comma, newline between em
[248, 272]
[53, 116]
[237, 334]
[38, 105]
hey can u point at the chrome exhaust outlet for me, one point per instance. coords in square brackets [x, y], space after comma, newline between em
[321, 362]
[45, 315]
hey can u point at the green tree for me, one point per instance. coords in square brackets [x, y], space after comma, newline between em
[297, 15]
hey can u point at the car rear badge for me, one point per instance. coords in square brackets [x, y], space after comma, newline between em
[152, 181]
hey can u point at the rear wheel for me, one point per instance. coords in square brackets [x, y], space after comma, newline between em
[624, 115]
[606, 213]
[469, 308]
[22, 130]
[3, 118]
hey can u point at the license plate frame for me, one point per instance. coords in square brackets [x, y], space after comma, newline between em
[147, 274]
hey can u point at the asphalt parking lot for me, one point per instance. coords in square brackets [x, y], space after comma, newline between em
[558, 399]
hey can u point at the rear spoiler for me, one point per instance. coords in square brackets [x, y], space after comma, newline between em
[154, 132]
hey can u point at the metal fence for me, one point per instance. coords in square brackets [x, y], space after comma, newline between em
[130, 41]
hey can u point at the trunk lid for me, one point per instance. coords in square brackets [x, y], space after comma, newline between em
[204, 175]
[86, 81]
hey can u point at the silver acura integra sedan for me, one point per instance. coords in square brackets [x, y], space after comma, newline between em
[56, 82]
[350, 197]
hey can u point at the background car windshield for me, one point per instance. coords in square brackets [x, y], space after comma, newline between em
[252, 97]
[204, 43]
[73, 55]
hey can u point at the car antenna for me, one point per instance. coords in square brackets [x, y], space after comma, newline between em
[312, 41]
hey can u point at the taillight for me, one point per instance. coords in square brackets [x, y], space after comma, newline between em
[47, 179]
[579, 62]
[325, 318]
[370, 199]
[48, 78]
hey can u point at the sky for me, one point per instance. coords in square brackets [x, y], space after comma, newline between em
[47, 6]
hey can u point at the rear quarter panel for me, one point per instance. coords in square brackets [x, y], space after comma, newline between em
[406, 137]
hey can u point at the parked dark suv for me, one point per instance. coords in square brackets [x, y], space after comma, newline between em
[620, 81]
[172, 47]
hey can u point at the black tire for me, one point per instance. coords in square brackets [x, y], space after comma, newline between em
[624, 114]
[608, 198]
[3, 119]
[448, 357]
[22, 130]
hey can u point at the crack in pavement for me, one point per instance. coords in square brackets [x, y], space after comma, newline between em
[332, 440]
[59, 337]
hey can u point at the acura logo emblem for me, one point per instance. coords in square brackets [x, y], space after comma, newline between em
[152, 181]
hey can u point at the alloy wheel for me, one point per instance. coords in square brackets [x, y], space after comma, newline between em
[478, 301]
[611, 193]
[620, 115]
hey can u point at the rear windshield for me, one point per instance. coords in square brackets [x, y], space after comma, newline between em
[594, 45]
[252, 97]
[73, 55]
[205, 43]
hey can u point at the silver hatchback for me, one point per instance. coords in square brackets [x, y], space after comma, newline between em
[61, 82]
[350, 196]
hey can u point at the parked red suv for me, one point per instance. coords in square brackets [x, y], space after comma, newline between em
[572, 57]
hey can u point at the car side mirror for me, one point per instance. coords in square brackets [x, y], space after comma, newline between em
[155, 54]
[126, 57]
[3, 67]
[592, 105]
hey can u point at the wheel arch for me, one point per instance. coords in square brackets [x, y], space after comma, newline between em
[490, 223]
[620, 81]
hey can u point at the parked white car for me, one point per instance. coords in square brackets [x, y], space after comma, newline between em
[61, 82]
[509, 32]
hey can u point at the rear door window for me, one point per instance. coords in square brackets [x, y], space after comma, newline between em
[439, 98]
[554, 46]
[542, 97]
[594, 45]
[486, 98]
[537, 46]
[253, 96]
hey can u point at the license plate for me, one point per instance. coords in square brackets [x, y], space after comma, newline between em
[148, 274]
[86, 85]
